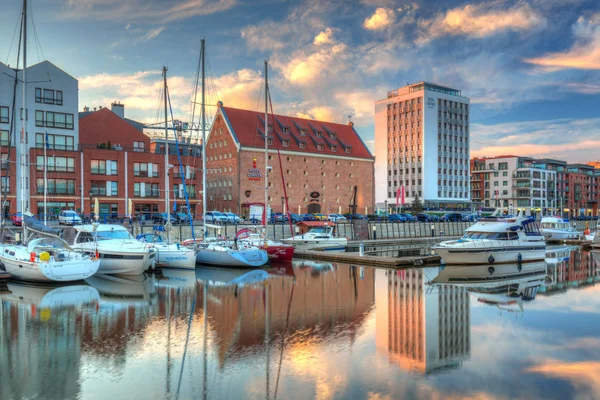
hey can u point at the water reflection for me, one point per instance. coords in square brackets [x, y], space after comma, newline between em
[302, 330]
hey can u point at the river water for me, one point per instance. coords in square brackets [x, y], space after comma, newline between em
[310, 330]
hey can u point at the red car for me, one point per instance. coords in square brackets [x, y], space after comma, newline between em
[17, 219]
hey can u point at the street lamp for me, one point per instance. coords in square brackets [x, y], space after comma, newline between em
[91, 194]
[386, 206]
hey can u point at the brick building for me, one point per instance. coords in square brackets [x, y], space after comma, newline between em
[321, 164]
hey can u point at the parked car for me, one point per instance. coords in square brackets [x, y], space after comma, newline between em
[162, 218]
[409, 217]
[69, 217]
[233, 218]
[17, 219]
[470, 218]
[422, 217]
[216, 217]
[309, 217]
[297, 218]
[182, 218]
[278, 218]
[354, 216]
[337, 218]
[396, 218]
[433, 218]
[451, 217]
[111, 218]
[321, 217]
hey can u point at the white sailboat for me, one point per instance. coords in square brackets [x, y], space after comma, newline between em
[43, 257]
[213, 252]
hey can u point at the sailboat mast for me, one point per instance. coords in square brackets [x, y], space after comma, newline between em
[45, 179]
[266, 146]
[167, 184]
[24, 121]
[203, 122]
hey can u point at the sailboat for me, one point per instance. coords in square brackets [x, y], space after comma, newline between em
[43, 257]
[275, 250]
[169, 255]
[210, 250]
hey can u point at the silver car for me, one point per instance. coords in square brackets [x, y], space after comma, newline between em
[69, 217]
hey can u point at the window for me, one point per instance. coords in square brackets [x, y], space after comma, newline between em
[38, 95]
[4, 115]
[48, 96]
[59, 120]
[56, 164]
[347, 150]
[285, 143]
[318, 134]
[140, 169]
[319, 146]
[3, 138]
[39, 118]
[334, 148]
[98, 167]
[98, 188]
[58, 99]
[56, 142]
[6, 183]
[57, 186]
[302, 145]
[139, 146]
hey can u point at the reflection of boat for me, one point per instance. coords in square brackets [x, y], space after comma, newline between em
[110, 286]
[316, 266]
[557, 229]
[503, 285]
[231, 277]
[47, 259]
[120, 253]
[558, 254]
[495, 239]
[176, 278]
[51, 297]
[169, 255]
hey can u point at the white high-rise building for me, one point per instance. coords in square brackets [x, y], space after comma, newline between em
[422, 143]
[52, 99]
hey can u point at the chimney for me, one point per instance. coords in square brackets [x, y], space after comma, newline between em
[86, 109]
[118, 109]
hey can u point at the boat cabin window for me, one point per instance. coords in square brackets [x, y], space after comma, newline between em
[321, 230]
[85, 237]
[151, 238]
[107, 235]
[492, 235]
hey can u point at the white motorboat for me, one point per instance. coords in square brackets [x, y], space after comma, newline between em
[47, 259]
[225, 254]
[169, 255]
[558, 229]
[321, 236]
[119, 252]
[495, 239]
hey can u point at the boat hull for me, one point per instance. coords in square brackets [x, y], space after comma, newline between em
[183, 258]
[225, 257]
[51, 271]
[557, 235]
[281, 252]
[491, 255]
[124, 263]
[333, 245]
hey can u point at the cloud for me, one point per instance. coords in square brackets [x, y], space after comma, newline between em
[240, 89]
[480, 21]
[324, 37]
[304, 69]
[142, 9]
[583, 376]
[585, 52]
[322, 113]
[381, 19]
[574, 140]
[151, 34]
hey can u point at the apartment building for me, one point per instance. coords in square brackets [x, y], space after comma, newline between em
[422, 143]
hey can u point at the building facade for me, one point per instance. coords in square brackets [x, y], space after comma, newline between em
[50, 119]
[315, 164]
[422, 144]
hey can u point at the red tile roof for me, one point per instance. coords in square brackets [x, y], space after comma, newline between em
[104, 125]
[295, 134]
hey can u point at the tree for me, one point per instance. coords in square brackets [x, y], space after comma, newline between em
[417, 206]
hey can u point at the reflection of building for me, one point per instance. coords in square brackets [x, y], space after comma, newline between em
[316, 304]
[426, 329]
[580, 269]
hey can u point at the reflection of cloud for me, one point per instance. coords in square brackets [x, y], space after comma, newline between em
[585, 53]
[583, 376]
[381, 19]
[480, 21]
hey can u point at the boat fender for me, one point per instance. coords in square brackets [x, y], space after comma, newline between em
[178, 246]
[491, 259]
[32, 257]
[520, 258]
[45, 256]
[491, 270]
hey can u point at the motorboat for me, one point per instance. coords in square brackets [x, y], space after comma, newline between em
[495, 239]
[169, 255]
[275, 250]
[321, 236]
[557, 229]
[228, 254]
[119, 252]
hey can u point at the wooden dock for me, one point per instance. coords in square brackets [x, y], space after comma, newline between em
[374, 261]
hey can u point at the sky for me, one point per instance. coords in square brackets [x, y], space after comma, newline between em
[531, 68]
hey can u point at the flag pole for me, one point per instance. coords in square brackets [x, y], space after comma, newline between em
[46, 179]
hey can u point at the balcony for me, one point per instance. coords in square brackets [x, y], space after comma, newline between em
[521, 176]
